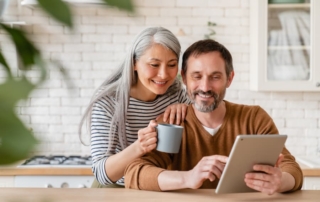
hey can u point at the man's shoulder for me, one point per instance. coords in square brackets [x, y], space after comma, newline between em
[246, 107]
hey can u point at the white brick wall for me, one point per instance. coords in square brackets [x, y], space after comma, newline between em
[102, 35]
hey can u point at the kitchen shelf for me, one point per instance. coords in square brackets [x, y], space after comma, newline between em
[34, 2]
[15, 23]
[302, 5]
[288, 47]
[292, 74]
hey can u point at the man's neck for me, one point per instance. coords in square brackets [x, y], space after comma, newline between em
[212, 119]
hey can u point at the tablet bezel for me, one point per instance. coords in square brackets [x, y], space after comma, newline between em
[247, 151]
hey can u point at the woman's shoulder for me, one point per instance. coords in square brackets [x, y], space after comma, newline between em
[105, 101]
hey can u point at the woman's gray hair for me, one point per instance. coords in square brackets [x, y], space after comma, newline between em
[119, 83]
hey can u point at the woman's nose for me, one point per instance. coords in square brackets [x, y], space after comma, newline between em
[162, 73]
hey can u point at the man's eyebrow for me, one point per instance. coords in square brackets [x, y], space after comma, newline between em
[215, 72]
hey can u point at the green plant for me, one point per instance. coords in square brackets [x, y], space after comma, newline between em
[16, 140]
[211, 33]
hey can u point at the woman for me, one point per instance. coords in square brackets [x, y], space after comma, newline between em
[139, 91]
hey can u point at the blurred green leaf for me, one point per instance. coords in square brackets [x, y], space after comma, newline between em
[59, 10]
[121, 4]
[212, 23]
[25, 48]
[64, 73]
[5, 65]
[16, 141]
[14, 90]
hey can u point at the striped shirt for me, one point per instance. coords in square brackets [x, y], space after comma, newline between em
[139, 114]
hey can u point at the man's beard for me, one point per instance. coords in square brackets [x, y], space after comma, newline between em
[205, 106]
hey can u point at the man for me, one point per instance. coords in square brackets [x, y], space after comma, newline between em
[210, 129]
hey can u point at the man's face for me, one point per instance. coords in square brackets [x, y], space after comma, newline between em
[206, 80]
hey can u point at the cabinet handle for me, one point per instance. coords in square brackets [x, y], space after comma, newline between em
[318, 84]
[48, 186]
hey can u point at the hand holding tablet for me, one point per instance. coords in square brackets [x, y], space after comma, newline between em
[247, 151]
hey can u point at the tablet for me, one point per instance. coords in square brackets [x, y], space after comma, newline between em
[247, 151]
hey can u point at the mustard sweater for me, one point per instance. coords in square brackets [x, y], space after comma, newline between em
[196, 143]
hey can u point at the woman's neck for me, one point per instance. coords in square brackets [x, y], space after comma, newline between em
[139, 92]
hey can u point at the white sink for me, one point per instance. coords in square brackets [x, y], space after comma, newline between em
[310, 161]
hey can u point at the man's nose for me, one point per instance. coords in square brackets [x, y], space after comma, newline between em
[205, 85]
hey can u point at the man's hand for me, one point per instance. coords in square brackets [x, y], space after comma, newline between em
[209, 167]
[175, 113]
[268, 181]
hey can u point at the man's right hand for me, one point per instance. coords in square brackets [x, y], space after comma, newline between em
[209, 167]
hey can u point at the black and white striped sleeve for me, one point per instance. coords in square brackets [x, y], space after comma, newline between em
[101, 117]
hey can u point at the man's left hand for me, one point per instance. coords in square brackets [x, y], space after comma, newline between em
[266, 179]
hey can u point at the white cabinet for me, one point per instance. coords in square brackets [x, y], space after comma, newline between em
[285, 46]
[311, 183]
[6, 181]
[53, 181]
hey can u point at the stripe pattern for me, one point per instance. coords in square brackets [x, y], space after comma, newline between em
[139, 115]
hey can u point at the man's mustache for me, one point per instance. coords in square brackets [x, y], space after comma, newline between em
[207, 93]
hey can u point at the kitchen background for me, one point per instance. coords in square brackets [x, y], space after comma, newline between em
[102, 36]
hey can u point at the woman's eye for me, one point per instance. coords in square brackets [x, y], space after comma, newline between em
[154, 65]
[172, 65]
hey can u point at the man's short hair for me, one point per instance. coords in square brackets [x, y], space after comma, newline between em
[206, 46]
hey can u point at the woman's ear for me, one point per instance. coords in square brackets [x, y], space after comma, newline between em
[134, 66]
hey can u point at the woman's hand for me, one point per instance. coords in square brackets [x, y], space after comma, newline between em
[175, 113]
[147, 138]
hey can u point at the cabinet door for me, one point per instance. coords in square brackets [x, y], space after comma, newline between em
[6, 181]
[284, 46]
[311, 183]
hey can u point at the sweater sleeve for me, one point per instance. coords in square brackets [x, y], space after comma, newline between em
[265, 125]
[143, 172]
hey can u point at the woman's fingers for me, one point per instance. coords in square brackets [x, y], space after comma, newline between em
[178, 115]
[173, 114]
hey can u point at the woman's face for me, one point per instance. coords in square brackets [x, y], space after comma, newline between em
[157, 69]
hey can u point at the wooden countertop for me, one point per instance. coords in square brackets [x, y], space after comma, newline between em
[310, 172]
[86, 171]
[102, 195]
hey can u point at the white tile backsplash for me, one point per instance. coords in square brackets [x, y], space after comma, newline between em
[93, 49]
